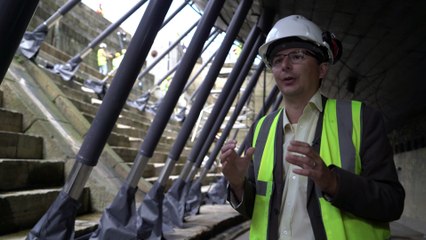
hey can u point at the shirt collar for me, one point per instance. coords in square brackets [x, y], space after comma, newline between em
[315, 102]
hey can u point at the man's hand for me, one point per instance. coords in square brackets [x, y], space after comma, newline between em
[234, 167]
[312, 166]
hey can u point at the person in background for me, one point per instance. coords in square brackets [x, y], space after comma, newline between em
[103, 57]
[118, 57]
[317, 168]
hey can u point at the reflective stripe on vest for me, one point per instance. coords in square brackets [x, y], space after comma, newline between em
[340, 145]
[264, 161]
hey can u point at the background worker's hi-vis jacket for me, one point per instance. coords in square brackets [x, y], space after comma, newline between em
[369, 193]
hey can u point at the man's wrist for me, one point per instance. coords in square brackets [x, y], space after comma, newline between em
[237, 189]
[331, 191]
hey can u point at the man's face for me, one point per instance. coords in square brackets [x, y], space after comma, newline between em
[297, 73]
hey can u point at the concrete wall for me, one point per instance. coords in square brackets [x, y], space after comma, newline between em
[411, 167]
[409, 143]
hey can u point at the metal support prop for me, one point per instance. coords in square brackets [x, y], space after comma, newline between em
[177, 84]
[199, 71]
[217, 193]
[218, 115]
[31, 41]
[95, 42]
[194, 198]
[171, 16]
[99, 86]
[175, 197]
[119, 220]
[266, 105]
[140, 102]
[173, 45]
[277, 102]
[14, 18]
[210, 79]
[68, 69]
[213, 122]
[225, 100]
[212, 37]
[248, 46]
[150, 211]
[204, 91]
[58, 14]
[241, 102]
[102, 125]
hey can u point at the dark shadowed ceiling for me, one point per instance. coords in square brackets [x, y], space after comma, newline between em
[384, 49]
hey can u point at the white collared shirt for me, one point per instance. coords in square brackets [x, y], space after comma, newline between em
[295, 222]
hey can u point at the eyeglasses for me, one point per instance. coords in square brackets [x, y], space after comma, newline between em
[295, 57]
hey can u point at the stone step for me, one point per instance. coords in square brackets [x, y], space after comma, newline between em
[130, 131]
[135, 128]
[122, 140]
[129, 154]
[149, 170]
[163, 146]
[145, 117]
[138, 128]
[16, 145]
[30, 173]
[84, 107]
[10, 121]
[91, 109]
[154, 169]
[177, 169]
[75, 92]
[166, 138]
[126, 108]
[210, 178]
[21, 210]
[141, 128]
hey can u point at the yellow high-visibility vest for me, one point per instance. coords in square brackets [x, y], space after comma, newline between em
[340, 146]
[102, 57]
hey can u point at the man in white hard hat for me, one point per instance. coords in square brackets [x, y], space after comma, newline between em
[317, 168]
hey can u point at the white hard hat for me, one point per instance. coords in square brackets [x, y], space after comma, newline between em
[102, 45]
[298, 29]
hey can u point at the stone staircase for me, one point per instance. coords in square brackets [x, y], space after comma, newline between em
[29, 183]
[30, 178]
[132, 124]
[129, 131]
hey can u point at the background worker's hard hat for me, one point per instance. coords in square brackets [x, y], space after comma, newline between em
[102, 45]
